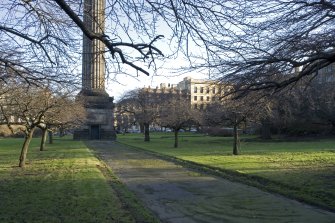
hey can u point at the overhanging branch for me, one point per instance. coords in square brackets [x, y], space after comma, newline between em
[112, 47]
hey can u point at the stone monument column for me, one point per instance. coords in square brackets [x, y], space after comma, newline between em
[93, 67]
[99, 106]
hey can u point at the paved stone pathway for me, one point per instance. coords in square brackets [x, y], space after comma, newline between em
[179, 195]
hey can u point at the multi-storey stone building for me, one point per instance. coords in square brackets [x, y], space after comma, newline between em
[201, 92]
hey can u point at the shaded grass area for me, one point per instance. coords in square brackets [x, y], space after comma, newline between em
[301, 169]
[65, 183]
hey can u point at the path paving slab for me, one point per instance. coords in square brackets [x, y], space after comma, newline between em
[179, 195]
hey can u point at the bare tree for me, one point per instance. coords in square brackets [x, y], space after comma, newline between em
[34, 107]
[144, 105]
[305, 110]
[227, 114]
[252, 44]
[41, 41]
[38, 43]
[277, 44]
[29, 106]
[323, 104]
[255, 44]
[124, 121]
[177, 113]
[233, 112]
[65, 114]
[41, 37]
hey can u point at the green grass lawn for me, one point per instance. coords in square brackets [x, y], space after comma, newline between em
[303, 169]
[62, 184]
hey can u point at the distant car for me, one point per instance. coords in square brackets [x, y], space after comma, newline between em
[119, 131]
[193, 130]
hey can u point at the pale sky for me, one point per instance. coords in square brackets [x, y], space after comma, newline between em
[125, 83]
[121, 83]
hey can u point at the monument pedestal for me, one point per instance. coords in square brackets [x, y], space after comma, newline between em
[100, 118]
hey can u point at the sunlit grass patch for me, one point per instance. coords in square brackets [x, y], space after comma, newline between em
[61, 184]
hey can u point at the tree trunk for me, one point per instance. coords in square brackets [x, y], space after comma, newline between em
[25, 147]
[142, 129]
[175, 138]
[236, 140]
[146, 132]
[61, 132]
[332, 131]
[50, 137]
[44, 138]
[265, 130]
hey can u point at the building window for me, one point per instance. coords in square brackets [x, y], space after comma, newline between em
[195, 89]
[207, 90]
[213, 90]
[195, 98]
[201, 90]
[207, 98]
[201, 98]
[195, 106]
[213, 98]
[201, 107]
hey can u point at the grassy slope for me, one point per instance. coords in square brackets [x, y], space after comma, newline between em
[61, 184]
[303, 169]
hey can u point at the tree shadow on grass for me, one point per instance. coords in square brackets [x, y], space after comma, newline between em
[36, 198]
